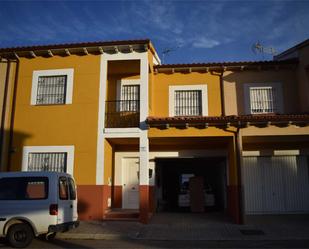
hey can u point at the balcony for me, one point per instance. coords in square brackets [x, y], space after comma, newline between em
[122, 113]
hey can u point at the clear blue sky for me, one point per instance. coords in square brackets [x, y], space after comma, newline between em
[199, 31]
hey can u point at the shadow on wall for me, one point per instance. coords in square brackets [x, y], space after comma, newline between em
[11, 147]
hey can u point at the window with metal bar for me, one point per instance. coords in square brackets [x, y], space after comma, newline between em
[130, 98]
[262, 100]
[51, 90]
[188, 102]
[50, 161]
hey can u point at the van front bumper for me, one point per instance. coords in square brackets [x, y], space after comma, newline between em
[63, 227]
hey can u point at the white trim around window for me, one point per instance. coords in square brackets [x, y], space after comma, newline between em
[69, 149]
[277, 86]
[121, 83]
[202, 88]
[69, 72]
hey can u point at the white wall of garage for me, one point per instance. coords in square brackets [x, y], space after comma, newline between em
[276, 184]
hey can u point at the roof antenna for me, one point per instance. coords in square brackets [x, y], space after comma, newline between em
[258, 48]
[166, 51]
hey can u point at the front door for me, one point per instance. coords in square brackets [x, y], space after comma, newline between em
[130, 188]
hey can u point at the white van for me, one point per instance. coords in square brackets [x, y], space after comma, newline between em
[36, 203]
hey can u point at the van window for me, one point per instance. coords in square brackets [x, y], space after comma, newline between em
[63, 188]
[72, 189]
[23, 188]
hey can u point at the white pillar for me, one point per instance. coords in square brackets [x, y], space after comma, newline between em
[144, 143]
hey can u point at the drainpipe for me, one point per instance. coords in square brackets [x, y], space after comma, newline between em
[13, 115]
[222, 101]
[238, 146]
[222, 94]
[3, 114]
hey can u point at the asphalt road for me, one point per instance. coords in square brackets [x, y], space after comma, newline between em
[139, 244]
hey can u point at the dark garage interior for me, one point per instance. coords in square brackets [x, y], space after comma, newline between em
[191, 184]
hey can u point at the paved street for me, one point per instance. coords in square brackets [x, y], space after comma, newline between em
[137, 244]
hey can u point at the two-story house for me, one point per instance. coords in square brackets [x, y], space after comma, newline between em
[141, 137]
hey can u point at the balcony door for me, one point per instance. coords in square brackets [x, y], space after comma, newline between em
[128, 95]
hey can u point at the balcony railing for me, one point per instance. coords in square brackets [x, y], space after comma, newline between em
[122, 113]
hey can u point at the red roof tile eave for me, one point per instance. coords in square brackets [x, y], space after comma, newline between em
[74, 45]
[229, 119]
[231, 63]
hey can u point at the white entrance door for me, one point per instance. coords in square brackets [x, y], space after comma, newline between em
[130, 184]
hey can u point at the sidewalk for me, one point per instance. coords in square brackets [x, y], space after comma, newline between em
[184, 228]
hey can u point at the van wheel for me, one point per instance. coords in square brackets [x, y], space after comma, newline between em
[20, 235]
[50, 236]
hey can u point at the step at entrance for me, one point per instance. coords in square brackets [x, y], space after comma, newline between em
[122, 214]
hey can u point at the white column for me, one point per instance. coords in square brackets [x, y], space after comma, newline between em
[144, 143]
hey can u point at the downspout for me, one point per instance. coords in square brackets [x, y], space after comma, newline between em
[13, 115]
[238, 146]
[222, 94]
[3, 114]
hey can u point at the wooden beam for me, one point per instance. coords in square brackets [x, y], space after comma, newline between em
[50, 53]
[67, 51]
[16, 55]
[101, 50]
[85, 51]
[32, 54]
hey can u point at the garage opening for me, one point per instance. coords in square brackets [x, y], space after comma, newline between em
[193, 185]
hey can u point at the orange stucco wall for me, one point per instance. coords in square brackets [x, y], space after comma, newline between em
[162, 81]
[55, 125]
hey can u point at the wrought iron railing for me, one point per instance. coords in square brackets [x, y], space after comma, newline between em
[122, 113]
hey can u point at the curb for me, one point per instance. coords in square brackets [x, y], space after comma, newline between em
[87, 236]
[100, 236]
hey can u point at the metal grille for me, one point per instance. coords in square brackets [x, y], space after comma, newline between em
[51, 161]
[129, 98]
[51, 90]
[188, 103]
[262, 99]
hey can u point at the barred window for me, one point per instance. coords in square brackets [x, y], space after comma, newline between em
[188, 102]
[51, 90]
[262, 100]
[130, 98]
[51, 161]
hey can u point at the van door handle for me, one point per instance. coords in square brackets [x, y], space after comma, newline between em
[71, 206]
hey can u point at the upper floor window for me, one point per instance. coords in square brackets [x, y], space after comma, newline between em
[130, 98]
[263, 98]
[188, 100]
[128, 95]
[52, 87]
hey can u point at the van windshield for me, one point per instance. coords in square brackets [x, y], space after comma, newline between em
[23, 188]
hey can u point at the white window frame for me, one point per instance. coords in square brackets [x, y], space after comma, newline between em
[202, 88]
[278, 91]
[121, 83]
[69, 72]
[69, 149]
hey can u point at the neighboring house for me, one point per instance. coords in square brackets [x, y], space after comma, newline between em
[133, 132]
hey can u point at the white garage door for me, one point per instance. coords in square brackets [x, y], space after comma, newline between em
[274, 185]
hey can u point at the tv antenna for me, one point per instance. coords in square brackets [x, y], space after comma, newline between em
[166, 51]
[258, 48]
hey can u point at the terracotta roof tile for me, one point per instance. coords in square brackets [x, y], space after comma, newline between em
[229, 119]
[228, 63]
[74, 45]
